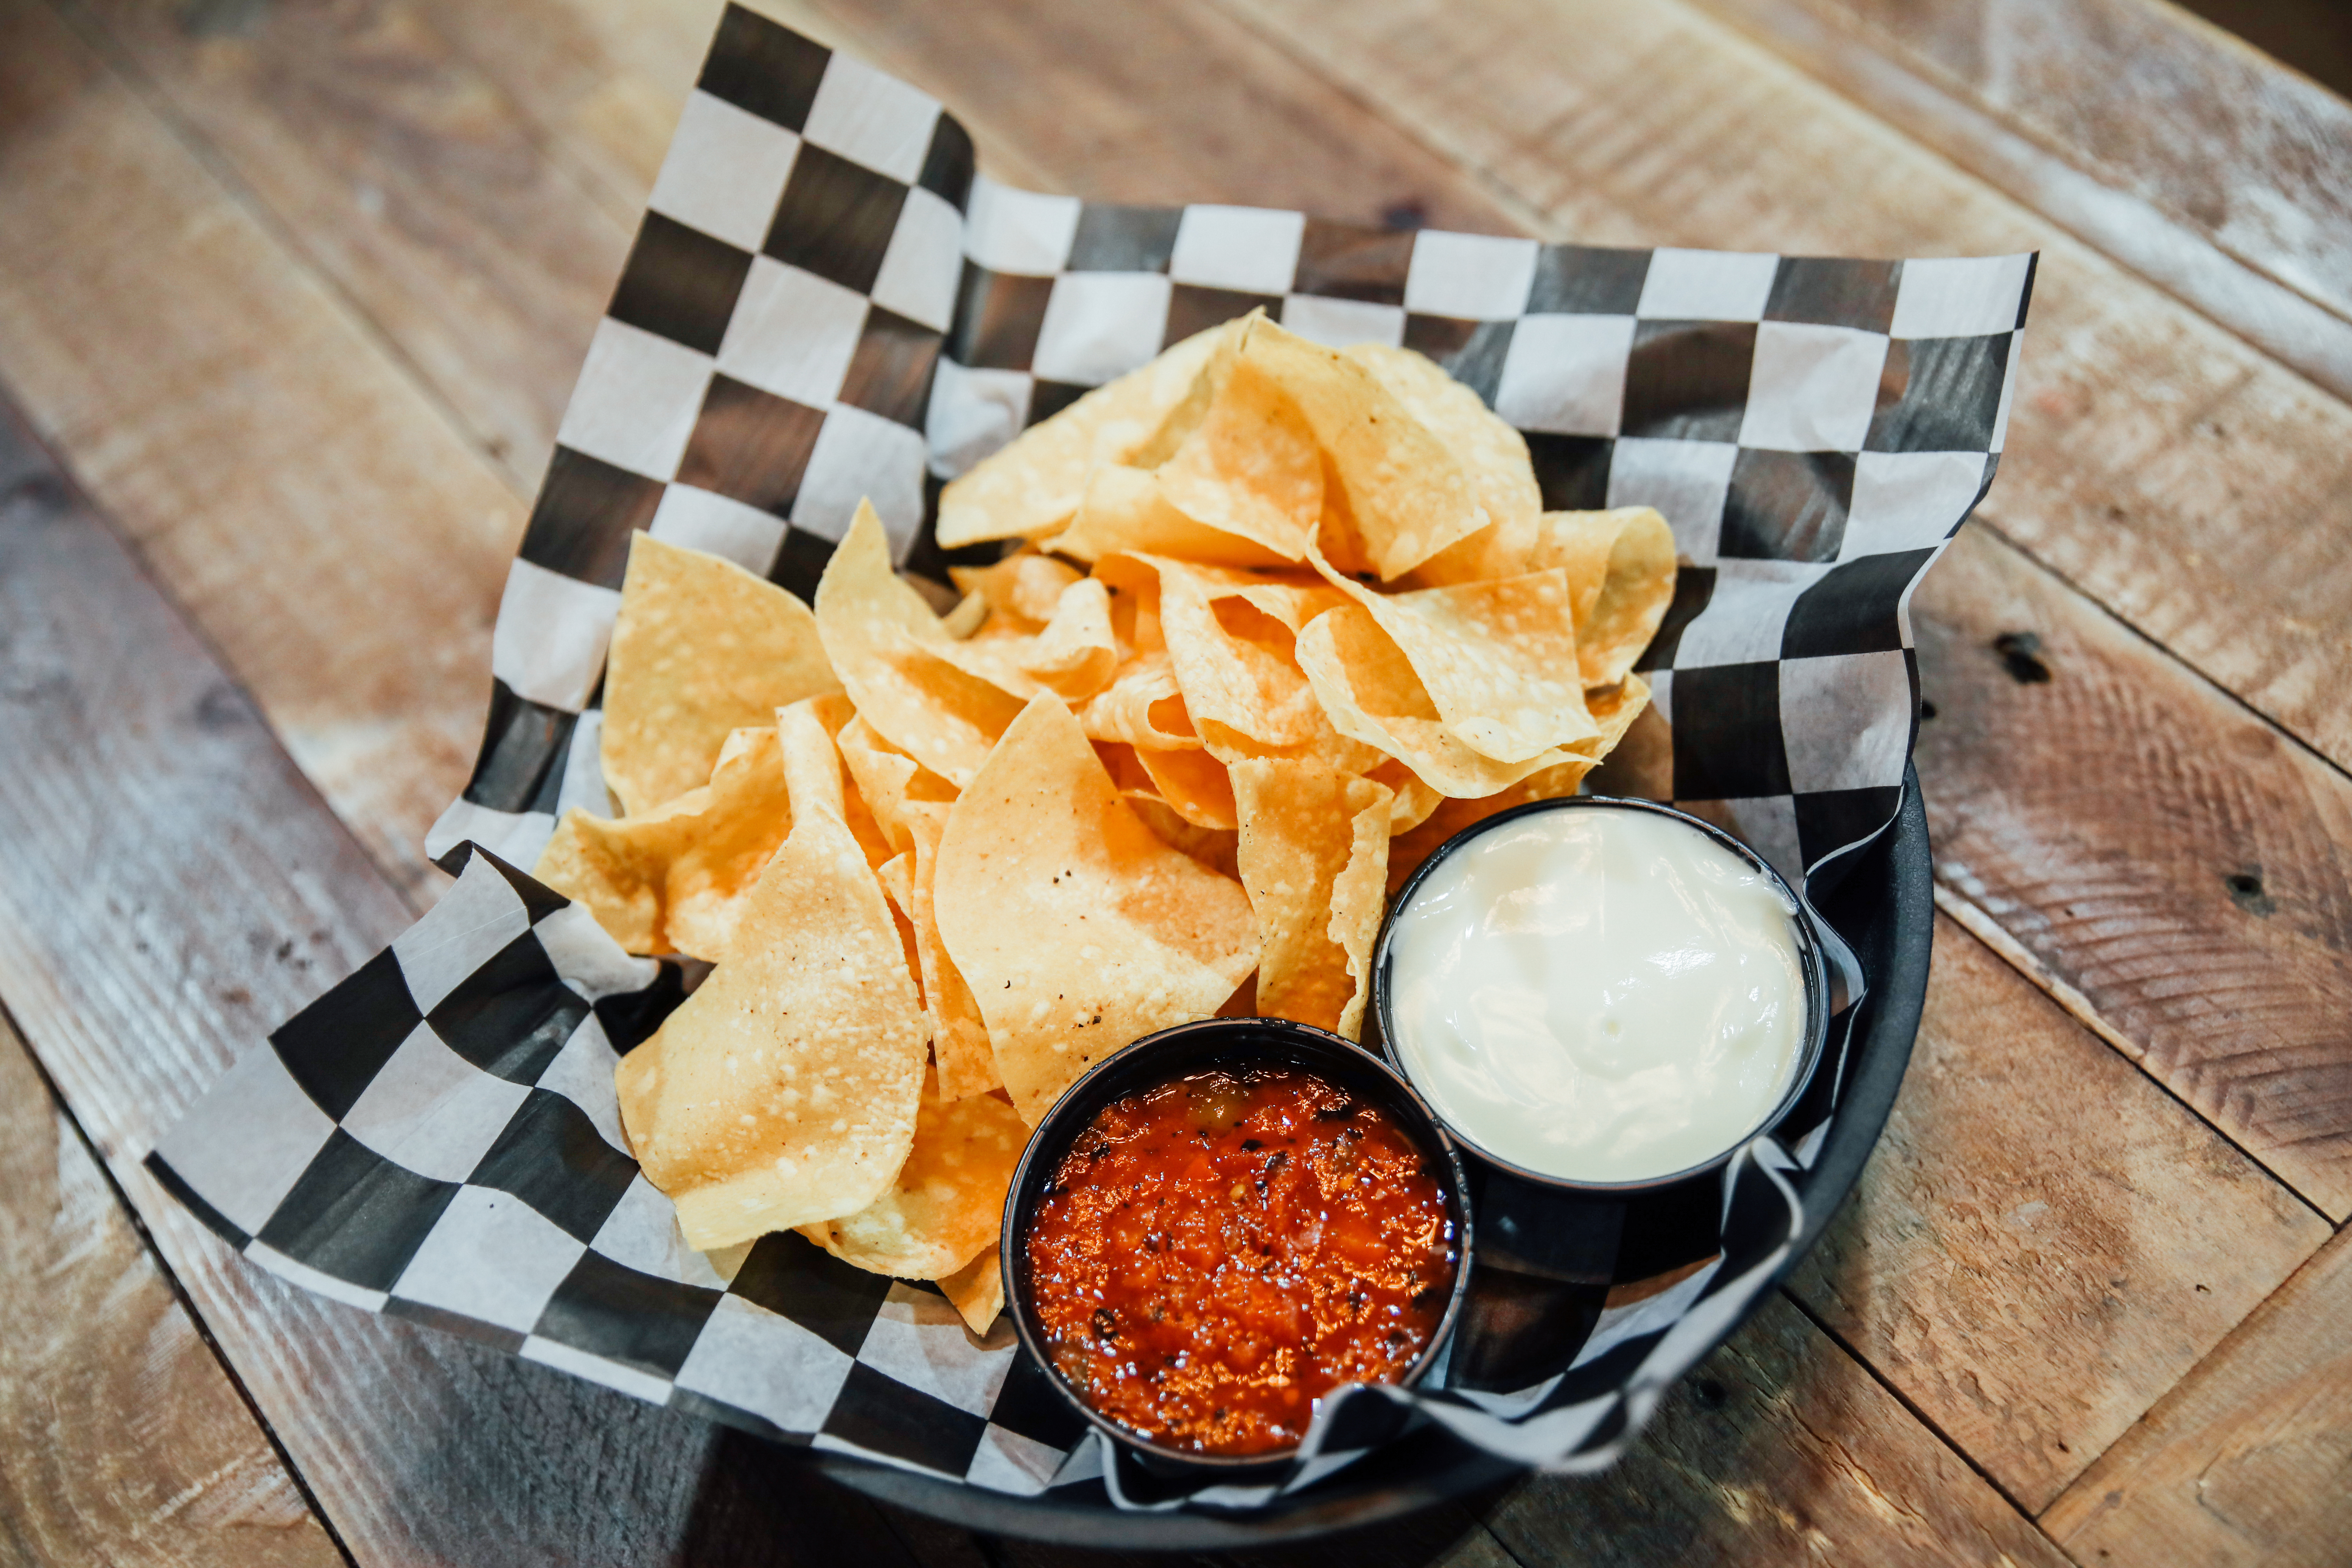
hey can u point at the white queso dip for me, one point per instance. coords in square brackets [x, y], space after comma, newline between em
[1598, 994]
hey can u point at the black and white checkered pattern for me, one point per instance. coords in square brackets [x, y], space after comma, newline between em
[825, 303]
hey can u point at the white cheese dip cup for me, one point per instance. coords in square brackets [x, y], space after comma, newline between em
[1603, 1000]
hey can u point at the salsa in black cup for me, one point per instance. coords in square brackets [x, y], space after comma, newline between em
[1224, 1221]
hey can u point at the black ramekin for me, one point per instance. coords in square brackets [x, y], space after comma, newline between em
[1188, 1048]
[1562, 1228]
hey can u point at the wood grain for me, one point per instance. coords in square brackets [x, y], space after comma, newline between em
[172, 890]
[125, 1441]
[409, 181]
[2248, 1460]
[339, 542]
[2096, 801]
[2033, 1293]
[2153, 458]
[2172, 149]
[1776, 1449]
[2149, 102]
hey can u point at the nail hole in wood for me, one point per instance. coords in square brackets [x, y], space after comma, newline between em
[2246, 888]
[2020, 654]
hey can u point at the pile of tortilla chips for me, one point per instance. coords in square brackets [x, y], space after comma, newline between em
[1280, 620]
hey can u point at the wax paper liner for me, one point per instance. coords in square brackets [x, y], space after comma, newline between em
[823, 303]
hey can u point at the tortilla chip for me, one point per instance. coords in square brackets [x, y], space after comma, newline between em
[1215, 848]
[1313, 841]
[1021, 589]
[700, 649]
[1072, 656]
[1125, 510]
[888, 780]
[977, 1291]
[1620, 607]
[1251, 466]
[1230, 637]
[967, 1062]
[784, 1090]
[944, 1209]
[1193, 784]
[1497, 657]
[969, 614]
[1031, 486]
[1077, 930]
[1617, 709]
[1395, 493]
[1493, 452]
[1414, 800]
[1373, 694]
[894, 658]
[1620, 576]
[749, 814]
[674, 879]
[1142, 706]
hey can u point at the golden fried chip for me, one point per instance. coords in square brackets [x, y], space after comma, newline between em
[892, 655]
[1193, 784]
[1217, 847]
[1124, 509]
[1023, 589]
[1077, 930]
[1414, 800]
[1620, 576]
[1372, 694]
[1496, 657]
[948, 1200]
[673, 879]
[1620, 605]
[1031, 486]
[888, 780]
[1397, 494]
[1313, 840]
[784, 1090]
[967, 1062]
[1251, 466]
[1142, 707]
[1495, 454]
[1072, 656]
[977, 1291]
[1230, 636]
[1616, 709]
[700, 649]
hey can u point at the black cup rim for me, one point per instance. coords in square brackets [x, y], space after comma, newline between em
[1810, 952]
[1125, 1070]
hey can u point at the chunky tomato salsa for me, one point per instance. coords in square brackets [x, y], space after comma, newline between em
[1214, 1253]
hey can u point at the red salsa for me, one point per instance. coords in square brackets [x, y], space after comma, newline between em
[1214, 1253]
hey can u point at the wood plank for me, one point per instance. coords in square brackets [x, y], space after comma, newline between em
[2153, 102]
[2153, 458]
[335, 537]
[2095, 800]
[173, 890]
[2250, 1459]
[125, 1441]
[2032, 1296]
[410, 181]
[2161, 141]
[1779, 1449]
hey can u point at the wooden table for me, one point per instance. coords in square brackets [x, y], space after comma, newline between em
[291, 295]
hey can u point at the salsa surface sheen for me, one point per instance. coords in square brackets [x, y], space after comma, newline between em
[1215, 1253]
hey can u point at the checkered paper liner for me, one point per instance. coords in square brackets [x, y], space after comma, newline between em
[825, 302]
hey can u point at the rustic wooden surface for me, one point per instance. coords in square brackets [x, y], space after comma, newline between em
[295, 290]
[125, 1440]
